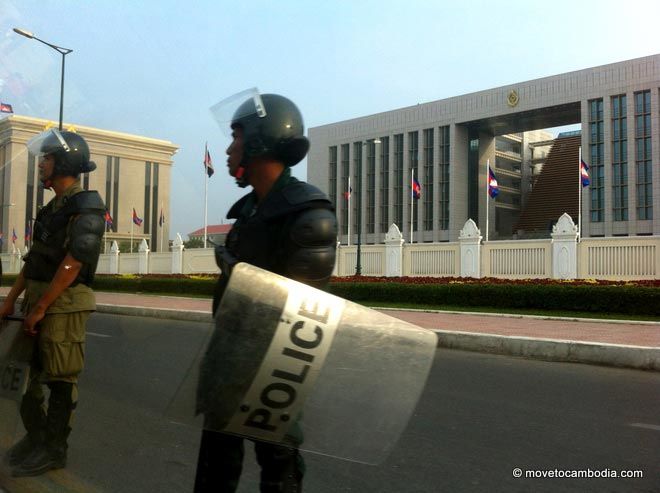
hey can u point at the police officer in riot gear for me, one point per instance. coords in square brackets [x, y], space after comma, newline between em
[285, 226]
[58, 271]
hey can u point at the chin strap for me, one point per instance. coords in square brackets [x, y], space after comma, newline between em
[47, 184]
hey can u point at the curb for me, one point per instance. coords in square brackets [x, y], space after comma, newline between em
[166, 313]
[636, 357]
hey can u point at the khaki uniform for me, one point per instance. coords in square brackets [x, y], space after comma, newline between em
[60, 350]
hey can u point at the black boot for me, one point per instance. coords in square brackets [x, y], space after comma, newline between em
[34, 420]
[52, 453]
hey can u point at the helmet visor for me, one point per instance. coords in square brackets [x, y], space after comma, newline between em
[241, 105]
[49, 142]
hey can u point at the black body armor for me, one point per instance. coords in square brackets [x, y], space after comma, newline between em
[54, 236]
[293, 233]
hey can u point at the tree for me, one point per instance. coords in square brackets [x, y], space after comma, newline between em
[194, 243]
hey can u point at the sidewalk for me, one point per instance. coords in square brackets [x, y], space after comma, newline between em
[605, 342]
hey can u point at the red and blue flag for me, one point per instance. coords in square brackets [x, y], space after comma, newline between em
[493, 187]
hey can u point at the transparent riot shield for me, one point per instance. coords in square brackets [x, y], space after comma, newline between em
[290, 364]
[15, 354]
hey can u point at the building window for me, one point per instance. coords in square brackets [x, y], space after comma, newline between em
[154, 209]
[597, 187]
[643, 165]
[398, 180]
[346, 186]
[357, 171]
[427, 182]
[371, 187]
[619, 158]
[115, 194]
[147, 198]
[413, 161]
[384, 183]
[443, 179]
[332, 175]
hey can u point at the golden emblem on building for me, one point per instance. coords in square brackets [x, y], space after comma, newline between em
[512, 99]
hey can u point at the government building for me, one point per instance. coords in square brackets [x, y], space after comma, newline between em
[367, 165]
[132, 172]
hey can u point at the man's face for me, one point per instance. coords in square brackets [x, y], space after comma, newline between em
[46, 166]
[235, 151]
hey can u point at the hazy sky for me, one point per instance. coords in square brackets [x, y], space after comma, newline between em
[153, 68]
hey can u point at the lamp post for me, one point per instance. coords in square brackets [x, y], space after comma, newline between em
[59, 49]
[358, 263]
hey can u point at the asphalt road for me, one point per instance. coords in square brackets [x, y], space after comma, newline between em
[480, 417]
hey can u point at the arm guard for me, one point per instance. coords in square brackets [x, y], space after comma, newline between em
[85, 237]
[310, 247]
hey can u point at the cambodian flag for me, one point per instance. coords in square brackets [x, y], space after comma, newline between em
[108, 219]
[416, 189]
[13, 235]
[493, 187]
[584, 173]
[347, 195]
[136, 219]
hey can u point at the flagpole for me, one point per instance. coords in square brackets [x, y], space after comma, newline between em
[132, 232]
[487, 195]
[348, 231]
[206, 190]
[579, 193]
[412, 181]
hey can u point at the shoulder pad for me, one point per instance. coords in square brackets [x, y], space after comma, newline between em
[88, 200]
[294, 197]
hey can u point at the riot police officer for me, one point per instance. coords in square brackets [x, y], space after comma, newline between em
[285, 226]
[58, 300]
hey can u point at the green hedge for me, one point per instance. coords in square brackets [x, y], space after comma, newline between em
[623, 299]
[584, 298]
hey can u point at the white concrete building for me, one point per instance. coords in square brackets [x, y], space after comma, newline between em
[447, 143]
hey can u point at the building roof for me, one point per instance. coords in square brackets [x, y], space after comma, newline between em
[212, 229]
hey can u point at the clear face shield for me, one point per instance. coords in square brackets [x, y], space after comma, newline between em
[47, 142]
[244, 104]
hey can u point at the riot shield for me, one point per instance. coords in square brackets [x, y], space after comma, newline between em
[290, 364]
[15, 354]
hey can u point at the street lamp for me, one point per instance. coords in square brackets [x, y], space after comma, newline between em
[59, 49]
[358, 263]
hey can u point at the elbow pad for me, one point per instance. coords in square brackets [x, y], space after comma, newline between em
[85, 238]
[311, 246]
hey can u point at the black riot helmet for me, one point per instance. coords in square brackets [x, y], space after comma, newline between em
[69, 150]
[272, 127]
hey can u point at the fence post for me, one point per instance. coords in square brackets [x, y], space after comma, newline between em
[564, 248]
[143, 257]
[335, 270]
[393, 252]
[470, 239]
[114, 257]
[177, 255]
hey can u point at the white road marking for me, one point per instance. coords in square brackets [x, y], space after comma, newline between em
[647, 426]
[97, 335]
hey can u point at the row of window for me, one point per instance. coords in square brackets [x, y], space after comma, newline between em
[385, 158]
[619, 141]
